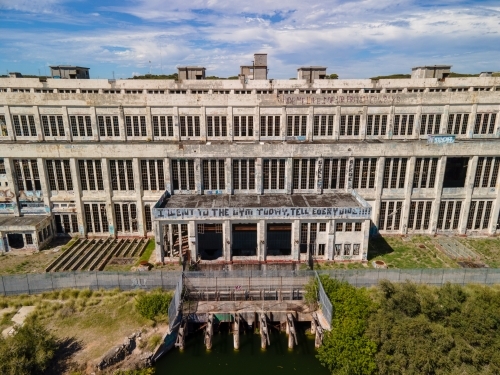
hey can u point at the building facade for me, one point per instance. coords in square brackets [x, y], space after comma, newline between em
[109, 157]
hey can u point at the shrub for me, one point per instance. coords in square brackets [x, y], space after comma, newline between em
[152, 305]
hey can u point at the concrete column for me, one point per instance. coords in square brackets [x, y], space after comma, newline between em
[417, 123]
[227, 233]
[8, 123]
[319, 175]
[93, 121]
[283, 123]
[362, 124]
[121, 123]
[149, 124]
[495, 211]
[176, 122]
[168, 175]
[438, 189]
[366, 237]
[289, 175]
[378, 187]
[256, 123]
[67, 127]
[203, 123]
[138, 197]
[330, 246]
[310, 124]
[228, 175]
[197, 175]
[262, 240]
[472, 121]
[469, 187]
[13, 188]
[42, 171]
[159, 247]
[259, 184]
[349, 172]
[336, 123]
[110, 212]
[390, 123]
[410, 170]
[170, 240]
[444, 120]
[39, 130]
[296, 240]
[77, 188]
[193, 240]
[236, 331]
[497, 125]
[229, 121]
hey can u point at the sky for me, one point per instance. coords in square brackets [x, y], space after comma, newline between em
[353, 38]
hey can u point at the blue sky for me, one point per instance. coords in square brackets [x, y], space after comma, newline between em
[355, 39]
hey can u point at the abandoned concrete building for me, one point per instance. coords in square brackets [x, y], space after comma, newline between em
[251, 169]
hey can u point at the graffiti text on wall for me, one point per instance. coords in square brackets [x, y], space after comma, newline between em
[339, 99]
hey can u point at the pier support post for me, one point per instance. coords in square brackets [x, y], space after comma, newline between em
[318, 340]
[313, 326]
[292, 334]
[264, 332]
[209, 331]
[181, 335]
[236, 331]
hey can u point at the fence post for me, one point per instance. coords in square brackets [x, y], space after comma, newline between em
[74, 278]
[96, 280]
[442, 278]
[52, 280]
[28, 282]
[119, 286]
[463, 280]
[3, 285]
[486, 276]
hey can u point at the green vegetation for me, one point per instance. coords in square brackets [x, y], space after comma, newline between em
[332, 76]
[487, 248]
[412, 329]
[150, 247]
[145, 371]
[154, 305]
[29, 351]
[157, 76]
[393, 76]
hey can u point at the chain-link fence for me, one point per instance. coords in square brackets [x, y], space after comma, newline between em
[324, 302]
[173, 309]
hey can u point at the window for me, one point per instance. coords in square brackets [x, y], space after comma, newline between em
[147, 218]
[190, 126]
[59, 174]
[225, 92]
[213, 175]
[243, 126]
[243, 92]
[163, 126]
[479, 215]
[29, 239]
[329, 91]
[122, 175]
[372, 91]
[403, 125]
[461, 89]
[288, 92]
[304, 173]
[425, 173]
[153, 177]
[339, 227]
[81, 126]
[133, 91]
[486, 172]
[66, 223]
[420, 214]
[90, 174]
[322, 227]
[108, 126]
[321, 249]
[449, 214]
[27, 175]
[270, 126]
[416, 90]
[390, 215]
[53, 126]
[334, 173]
[183, 175]
[135, 126]
[2, 167]
[338, 249]
[394, 91]
[156, 91]
[323, 125]
[355, 91]
[3, 127]
[347, 249]
[355, 248]
[24, 126]
[274, 174]
[485, 123]
[89, 91]
[126, 217]
[216, 126]
[364, 173]
[457, 123]
[111, 91]
[394, 173]
[429, 124]
[349, 124]
[437, 90]
[357, 227]
[96, 219]
[243, 174]
[376, 125]
[296, 126]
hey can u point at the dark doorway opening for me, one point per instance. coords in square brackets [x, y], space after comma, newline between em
[210, 245]
[16, 240]
[244, 240]
[279, 239]
[455, 172]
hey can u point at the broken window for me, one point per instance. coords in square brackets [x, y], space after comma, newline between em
[153, 177]
[376, 125]
[334, 173]
[364, 173]
[457, 123]
[96, 219]
[213, 174]
[279, 239]
[126, 217]
[24, 126]
[390, 215]
[420, 214]
[323, 125]
[449, 214]
[122, 174]
[479, 214]
[90, 174]
[485, 123]
[189, 126]
[53, 126]
[243, 126]
[304, 172]
[429, 124]
[59, 174]
[183, 175]
[148, 218]
[81, 126]
[163, 126]
[135, 126]
[27, 175]
[395, 173]
[486, 172]
[3, 127]
[243, 174]
[66, 223]
[403, 125]
[338, 249]
[216, 126]
[270, 126]
[349, 124]
[108, 126]
[274, 174]
[455, 172]
[425, 173]
[296, 126]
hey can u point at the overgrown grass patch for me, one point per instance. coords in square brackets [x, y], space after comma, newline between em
[150, 247]
[487, 248]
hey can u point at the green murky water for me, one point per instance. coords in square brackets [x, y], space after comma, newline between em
[249, 360]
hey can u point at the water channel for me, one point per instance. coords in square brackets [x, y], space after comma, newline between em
[250, 359]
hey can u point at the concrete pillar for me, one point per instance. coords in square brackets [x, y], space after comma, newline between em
[262, 240]
[197, 175]
[209, 331]
[168, 175]
[444, 120]
[227, 240]
[390, 123]
[259, 183]
[472, 121]
[193, 240]
[149, 124]
[141, 229]
[438, 189]
[256, 123]
[93, 121]
[289, 175]
[417, 123]
[283, 123]
[159, 244]
[366, 238]
[410, 170]
[469, 187]
[362, 124]
[229, 121]
[310, 123]
[39, 131]
[110, 212]
[121, 123]
[228, 175]
[8, 123]
[170, 240]
[236, 331]
[67, 127]
[77, 188]
[13, 188]
[331, 240]
[336, 123]
[349, 172]
[378, 188]
[296, 240]
[319, 175]
[203, 123]
[176, 122]
[42, 171]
